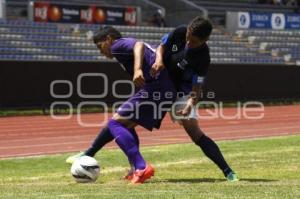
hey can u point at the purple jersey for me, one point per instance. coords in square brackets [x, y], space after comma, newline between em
[122, 50]
[144, 107]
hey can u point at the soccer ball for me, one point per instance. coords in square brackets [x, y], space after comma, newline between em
[85, 169]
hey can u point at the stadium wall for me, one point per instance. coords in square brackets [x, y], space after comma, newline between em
[27, 84]
[178, 12]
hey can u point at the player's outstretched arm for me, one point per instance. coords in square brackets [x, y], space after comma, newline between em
[138, 53]
[158, 64]
[192, 101]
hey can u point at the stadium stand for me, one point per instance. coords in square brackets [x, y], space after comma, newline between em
[25, 40]
[17, 9]
[46, 51]
[217, 9]
[271, 42]
[21, 39]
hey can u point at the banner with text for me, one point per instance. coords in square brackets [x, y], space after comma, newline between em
[64, 13]
[276, 21]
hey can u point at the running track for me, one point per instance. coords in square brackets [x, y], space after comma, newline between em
[37, 135]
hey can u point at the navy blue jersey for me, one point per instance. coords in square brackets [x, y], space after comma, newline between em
[186, 66]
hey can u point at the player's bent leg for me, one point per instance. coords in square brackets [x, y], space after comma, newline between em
[128, 144]
[209, 148]
[130, 172]
[130, 126]
[192, 128]
[102, 139]
[71, 159]
[125, 121]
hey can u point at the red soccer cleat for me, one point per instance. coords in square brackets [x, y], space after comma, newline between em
[141, 176]
[129, 175]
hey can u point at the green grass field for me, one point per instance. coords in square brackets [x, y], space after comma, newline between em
[268, 168]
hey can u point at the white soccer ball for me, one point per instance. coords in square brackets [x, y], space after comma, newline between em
[85, 169]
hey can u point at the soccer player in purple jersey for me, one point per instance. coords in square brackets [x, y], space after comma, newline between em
[137, 59]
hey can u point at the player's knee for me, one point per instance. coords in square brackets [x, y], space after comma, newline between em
[195, 133]
[111, 123]
[116, 117]
[124, 121]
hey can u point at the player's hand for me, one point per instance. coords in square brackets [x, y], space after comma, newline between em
[138, 78]
[185, 111]
[156, 68]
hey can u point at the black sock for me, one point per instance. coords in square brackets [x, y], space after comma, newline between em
[212, 151]
[102, 139]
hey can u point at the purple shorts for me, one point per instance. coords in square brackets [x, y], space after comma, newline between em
[148, 106]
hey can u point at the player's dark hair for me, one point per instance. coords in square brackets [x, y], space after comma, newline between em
[104, 32]
[200, 27]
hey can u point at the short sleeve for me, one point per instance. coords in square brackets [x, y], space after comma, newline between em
[202, 68]
[123, 45]
[164, 39]
[175, 35]
[198, 80]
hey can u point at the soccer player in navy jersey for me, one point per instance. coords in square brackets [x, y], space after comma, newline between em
[184, 52]
[136, 58]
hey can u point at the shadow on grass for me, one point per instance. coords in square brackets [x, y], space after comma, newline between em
[213, 180]
[194, 180]
[257, 180]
